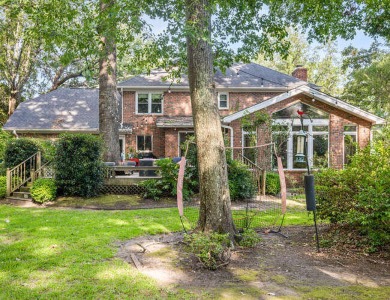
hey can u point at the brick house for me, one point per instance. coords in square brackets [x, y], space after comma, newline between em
[156, 114]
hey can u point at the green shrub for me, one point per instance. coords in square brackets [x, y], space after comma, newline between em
[249, 238]
[43, 190]
[18, 150]
[3, 186]
[48, 149]
[272, 183]
[4, 138]
[212, 249]
[241, 182]
[78, 165]
[359, 196]
[167, 184]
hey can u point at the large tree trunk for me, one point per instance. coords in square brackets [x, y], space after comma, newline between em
[108, 93]
[215, 212]
[12, 104]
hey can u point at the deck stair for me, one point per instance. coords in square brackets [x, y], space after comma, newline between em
[21, 178]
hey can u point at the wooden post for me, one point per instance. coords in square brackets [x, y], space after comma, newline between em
[263, 180]
[39, 163]
[9, 180]
[32, 175]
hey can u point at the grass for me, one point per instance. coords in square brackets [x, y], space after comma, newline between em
[70, 254]
[106, 202]
[345, 293]
[63, 254]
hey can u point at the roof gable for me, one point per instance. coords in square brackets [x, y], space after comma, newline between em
[315, 94]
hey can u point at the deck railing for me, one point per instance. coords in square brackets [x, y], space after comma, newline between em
[258, 173]
[23, 172]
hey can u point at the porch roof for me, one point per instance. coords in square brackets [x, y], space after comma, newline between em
[313, 93]
[175, 122]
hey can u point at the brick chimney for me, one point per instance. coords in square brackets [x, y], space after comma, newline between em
[300, 72]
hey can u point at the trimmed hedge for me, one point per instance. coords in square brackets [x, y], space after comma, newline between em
[18, 150]
[43, 190]
[78, 165]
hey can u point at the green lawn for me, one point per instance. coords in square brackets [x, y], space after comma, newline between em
[63, 254]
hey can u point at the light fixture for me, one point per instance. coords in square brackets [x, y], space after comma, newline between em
[300, 155]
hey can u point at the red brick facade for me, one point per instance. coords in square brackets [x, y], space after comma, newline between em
[165, 140]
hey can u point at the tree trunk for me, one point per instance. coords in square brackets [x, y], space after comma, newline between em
[215, 213]
[11, 104]
[108, 93]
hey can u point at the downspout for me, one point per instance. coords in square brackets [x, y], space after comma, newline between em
[122, 102]
[15, 134]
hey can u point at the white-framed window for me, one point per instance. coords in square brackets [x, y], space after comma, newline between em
[149, 103]
[144, 143]
[317, 143]
[223, 100]
[350, 143]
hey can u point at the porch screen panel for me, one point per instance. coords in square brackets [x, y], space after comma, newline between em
[349, 147]
[250, 141]
[320, 151]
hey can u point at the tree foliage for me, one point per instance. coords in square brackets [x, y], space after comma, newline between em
[323, 62]
[369, 84]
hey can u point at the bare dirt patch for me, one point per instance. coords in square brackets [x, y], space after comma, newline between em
[276, 267]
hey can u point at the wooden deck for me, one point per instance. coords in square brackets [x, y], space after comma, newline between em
[125, 175]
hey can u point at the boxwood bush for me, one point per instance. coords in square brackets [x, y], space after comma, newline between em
[18, 150]
[43, 190]
[3, 186]
[241, 182]
[78, 165]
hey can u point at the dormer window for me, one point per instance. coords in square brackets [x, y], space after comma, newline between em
[149, 103]
[223, 100]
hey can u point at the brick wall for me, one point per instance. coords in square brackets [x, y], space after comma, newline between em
[336, 141]
[179, 104]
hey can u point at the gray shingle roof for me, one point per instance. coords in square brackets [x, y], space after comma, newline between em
[238, 76]
[62, 110]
